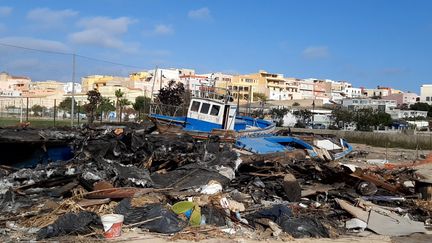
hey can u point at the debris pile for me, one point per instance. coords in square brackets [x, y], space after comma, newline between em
[179, 186]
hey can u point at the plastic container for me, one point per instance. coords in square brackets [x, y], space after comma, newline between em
[112, 224]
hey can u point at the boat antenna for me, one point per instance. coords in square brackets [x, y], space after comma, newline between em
[154, 80]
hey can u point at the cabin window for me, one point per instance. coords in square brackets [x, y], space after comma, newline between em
[205, 108]
[215, 110]
[195, 106]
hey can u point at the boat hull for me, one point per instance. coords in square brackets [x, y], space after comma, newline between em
[170, 125]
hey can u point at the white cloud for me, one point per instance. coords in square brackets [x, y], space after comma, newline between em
[316, 52]
[48, 18]
[159, 30]
[200, 14]
[5, 11]
[42, 44]
[102, 31]
[162, 29]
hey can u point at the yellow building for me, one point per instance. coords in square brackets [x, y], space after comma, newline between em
[240, 86]
[142, 81]
[272, 85]
[98, 81]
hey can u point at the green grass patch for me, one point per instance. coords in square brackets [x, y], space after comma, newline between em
[34, 122]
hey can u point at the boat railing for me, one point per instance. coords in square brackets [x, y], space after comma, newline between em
[211, 92]
[169, 110]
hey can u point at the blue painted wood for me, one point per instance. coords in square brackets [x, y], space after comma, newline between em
[271, 144]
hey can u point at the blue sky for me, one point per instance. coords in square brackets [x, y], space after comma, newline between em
[368, 42]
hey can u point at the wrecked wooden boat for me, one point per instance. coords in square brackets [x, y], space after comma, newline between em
[211, 113]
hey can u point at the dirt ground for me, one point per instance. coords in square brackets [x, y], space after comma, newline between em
[368, 237]
[392, 155]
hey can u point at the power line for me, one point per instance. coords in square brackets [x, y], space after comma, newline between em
[69, 54]
[106, 61]
[34, 49]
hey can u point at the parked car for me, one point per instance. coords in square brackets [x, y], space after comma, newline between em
[318, 126]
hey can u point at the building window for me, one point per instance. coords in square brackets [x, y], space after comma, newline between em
[195, 106]
[427, 98]
[205, 108]
[215, 110]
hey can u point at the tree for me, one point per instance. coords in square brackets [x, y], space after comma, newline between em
[142, 105]
[37, 110]
[106, 105]
[66, 105]
[172, 94]
[403, 106]
[295, 104]
[278, 115]
[259, 113]
[367, 118]
[122, 104]
[303, 115]
[260, 97]
[94, 98]
[172, 97]
[118, 94]
[420, 106]
[380, 118]
[343, 116]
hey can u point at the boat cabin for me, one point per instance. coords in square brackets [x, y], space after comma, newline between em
[208, 114]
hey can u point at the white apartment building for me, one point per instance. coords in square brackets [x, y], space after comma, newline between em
[218, 77]
[292, 88]
[306, 88]
[426, 93]
[351, 92]
[403, 114]
[67, 88]
[382, 105]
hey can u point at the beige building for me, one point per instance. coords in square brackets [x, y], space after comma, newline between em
[426, 93]
[271, 84]
[48, 87]
[99, 81]
[292, 86]
[13, 85]
[241, 87]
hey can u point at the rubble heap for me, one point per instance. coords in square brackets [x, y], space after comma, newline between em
[177, 185]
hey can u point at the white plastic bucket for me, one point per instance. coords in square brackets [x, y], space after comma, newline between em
[112, 224]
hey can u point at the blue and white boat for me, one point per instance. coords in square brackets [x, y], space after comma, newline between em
[213, 114]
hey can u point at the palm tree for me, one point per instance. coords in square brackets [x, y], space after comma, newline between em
[118, 94]
[123, 103]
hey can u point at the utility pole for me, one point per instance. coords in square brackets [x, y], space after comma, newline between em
[55, 107]
[238, 101]
[21, 115]
[160, 80]
[27, 109]
[73, 90]
[154, 80]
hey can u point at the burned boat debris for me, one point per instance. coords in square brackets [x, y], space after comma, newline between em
[219, 189]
